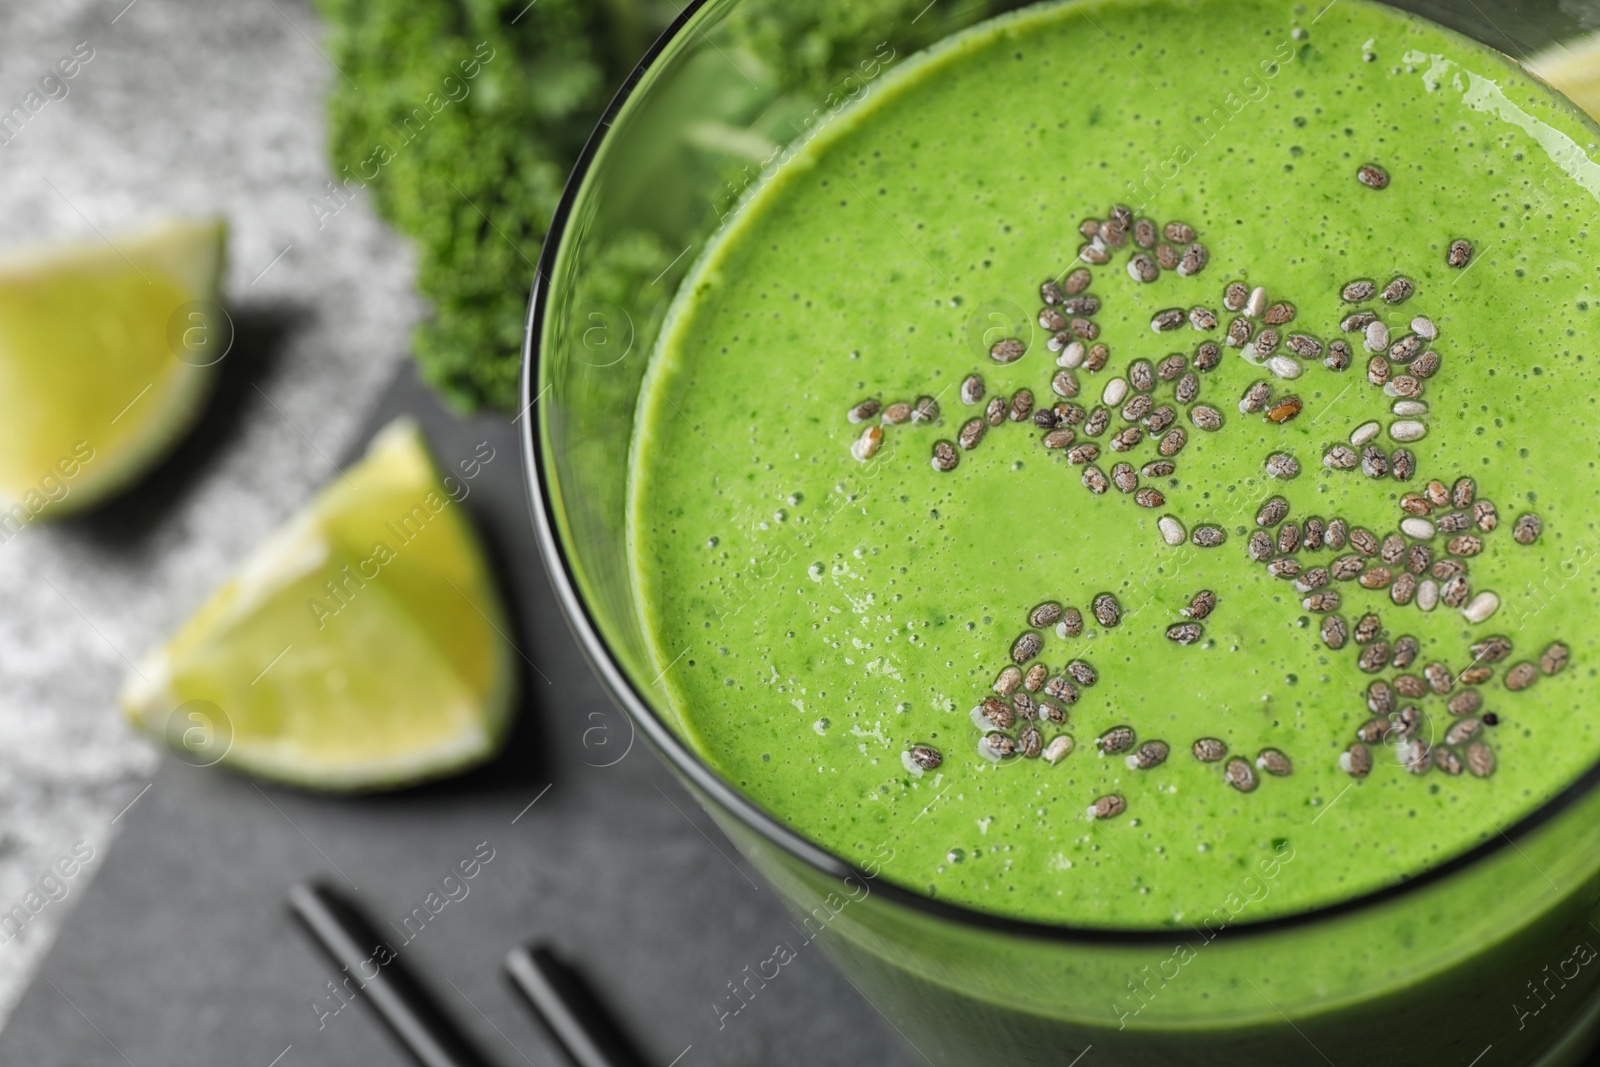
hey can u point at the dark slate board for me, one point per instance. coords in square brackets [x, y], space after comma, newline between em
[182, 951]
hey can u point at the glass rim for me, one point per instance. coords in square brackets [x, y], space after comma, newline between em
[690, 765]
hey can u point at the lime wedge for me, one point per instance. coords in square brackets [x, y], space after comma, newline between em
[361, 647]
[107, 354]
[1574, 69]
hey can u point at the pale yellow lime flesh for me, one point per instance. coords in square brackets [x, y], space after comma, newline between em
[1574, 69]
[362, 647]
[96, 383]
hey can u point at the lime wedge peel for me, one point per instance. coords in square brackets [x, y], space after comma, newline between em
[361, 647]
[108, 352]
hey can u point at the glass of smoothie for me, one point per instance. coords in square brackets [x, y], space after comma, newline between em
[1100, 502]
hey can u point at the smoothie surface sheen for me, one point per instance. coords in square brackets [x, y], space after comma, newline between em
[816, 615]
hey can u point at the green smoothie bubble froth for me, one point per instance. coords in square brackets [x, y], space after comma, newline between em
[819, 606]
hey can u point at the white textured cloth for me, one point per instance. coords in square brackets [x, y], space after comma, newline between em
[187, 107]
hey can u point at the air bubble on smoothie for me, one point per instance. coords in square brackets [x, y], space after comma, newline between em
[821, 726]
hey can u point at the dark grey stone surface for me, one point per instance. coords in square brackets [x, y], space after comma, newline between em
[182, 951]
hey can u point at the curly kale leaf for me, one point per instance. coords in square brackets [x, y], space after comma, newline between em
[463, 118]
[810, 46]
[463, 124]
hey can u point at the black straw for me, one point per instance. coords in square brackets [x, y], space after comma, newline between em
[352, 944]
[570, 1010]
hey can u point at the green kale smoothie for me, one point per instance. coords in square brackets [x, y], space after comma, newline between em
[1314, 616]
